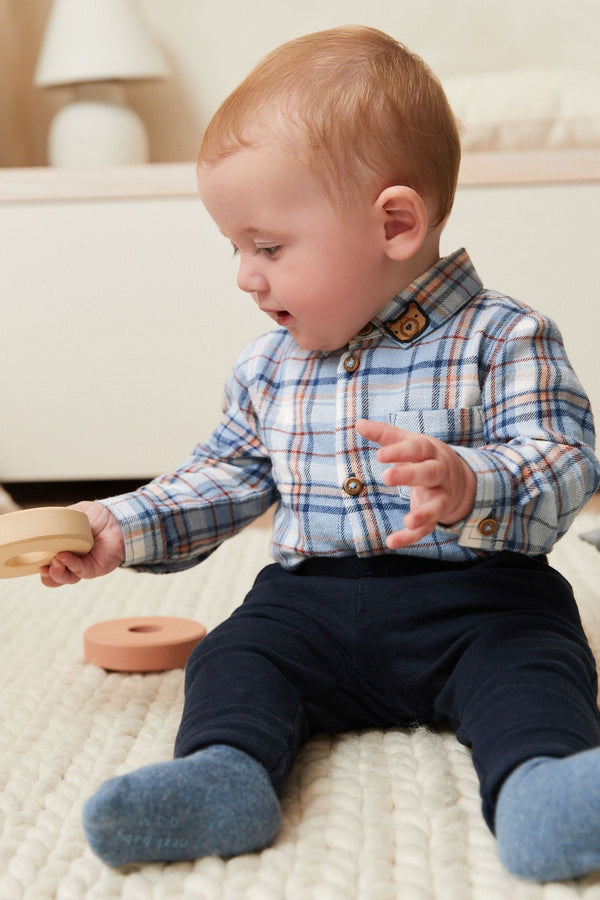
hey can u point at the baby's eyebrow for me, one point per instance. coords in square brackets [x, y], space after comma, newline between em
[269, 236]
[251, 229]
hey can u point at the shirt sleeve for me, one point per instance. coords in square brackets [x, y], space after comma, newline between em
[178, 519]
[537, 468]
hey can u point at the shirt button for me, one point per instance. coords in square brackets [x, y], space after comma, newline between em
[366, 330]
[488, 527]
[351, 363]
[353, 485]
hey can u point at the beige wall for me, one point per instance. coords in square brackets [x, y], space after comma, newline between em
[23, 114]
[211, 44]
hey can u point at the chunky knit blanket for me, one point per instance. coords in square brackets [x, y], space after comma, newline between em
[374, 815]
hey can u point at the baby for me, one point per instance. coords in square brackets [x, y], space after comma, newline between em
[424, 441]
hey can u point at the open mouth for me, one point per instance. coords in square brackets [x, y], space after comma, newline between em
[283, 317]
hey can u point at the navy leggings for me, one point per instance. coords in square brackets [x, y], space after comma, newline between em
[494, 650]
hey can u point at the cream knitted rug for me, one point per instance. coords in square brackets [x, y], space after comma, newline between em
[376, 815]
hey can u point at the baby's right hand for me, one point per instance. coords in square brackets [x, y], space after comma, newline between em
[107, 553]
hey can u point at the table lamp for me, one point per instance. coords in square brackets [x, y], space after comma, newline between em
[95, 46]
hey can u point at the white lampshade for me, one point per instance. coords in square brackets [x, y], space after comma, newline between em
[96, 40]
[94, 45]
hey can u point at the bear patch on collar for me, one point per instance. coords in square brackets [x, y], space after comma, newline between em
[409, 324]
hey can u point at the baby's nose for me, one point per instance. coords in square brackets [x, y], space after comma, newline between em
[250, 278]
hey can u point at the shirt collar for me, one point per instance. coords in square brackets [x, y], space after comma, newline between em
[428, 302]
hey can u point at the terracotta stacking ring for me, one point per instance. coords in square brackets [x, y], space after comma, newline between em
[142, 643]
[31, 538]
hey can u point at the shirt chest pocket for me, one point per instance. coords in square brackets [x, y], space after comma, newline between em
[460, 427]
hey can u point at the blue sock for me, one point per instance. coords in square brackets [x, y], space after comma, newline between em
[218, 801]
[548, 817]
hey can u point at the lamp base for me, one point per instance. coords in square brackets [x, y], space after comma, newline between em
[97, 129]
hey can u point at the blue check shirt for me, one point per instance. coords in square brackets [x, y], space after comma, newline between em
[446, 357]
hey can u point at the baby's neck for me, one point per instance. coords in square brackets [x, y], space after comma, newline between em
[411, 269]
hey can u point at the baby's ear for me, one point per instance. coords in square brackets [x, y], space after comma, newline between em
[403, 216]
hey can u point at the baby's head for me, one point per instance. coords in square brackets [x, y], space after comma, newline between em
[357, 108]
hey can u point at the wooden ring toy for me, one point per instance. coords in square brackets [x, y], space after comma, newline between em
[31, 538]
[142, 643]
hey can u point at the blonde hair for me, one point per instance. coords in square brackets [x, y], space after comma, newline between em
[372, 114]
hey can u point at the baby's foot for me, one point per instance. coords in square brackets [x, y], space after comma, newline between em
[548, 817]
[219, 801]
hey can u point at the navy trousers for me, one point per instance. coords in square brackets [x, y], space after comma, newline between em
[494, 650]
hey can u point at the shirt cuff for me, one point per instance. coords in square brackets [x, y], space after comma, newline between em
[144, 543]
[487, 525]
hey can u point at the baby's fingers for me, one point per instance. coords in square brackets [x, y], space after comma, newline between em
[425, 474]
[415, 448]
[408, 536]
[57, 573]
[418, 523]
[379, 432]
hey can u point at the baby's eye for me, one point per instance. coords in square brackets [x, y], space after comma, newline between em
[270, 252]
[236, 250]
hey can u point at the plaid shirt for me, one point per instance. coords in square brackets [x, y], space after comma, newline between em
[446, 357]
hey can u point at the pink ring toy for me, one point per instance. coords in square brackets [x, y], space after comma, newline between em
[142, 643]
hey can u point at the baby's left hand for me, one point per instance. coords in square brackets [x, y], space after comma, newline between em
[443, 486]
